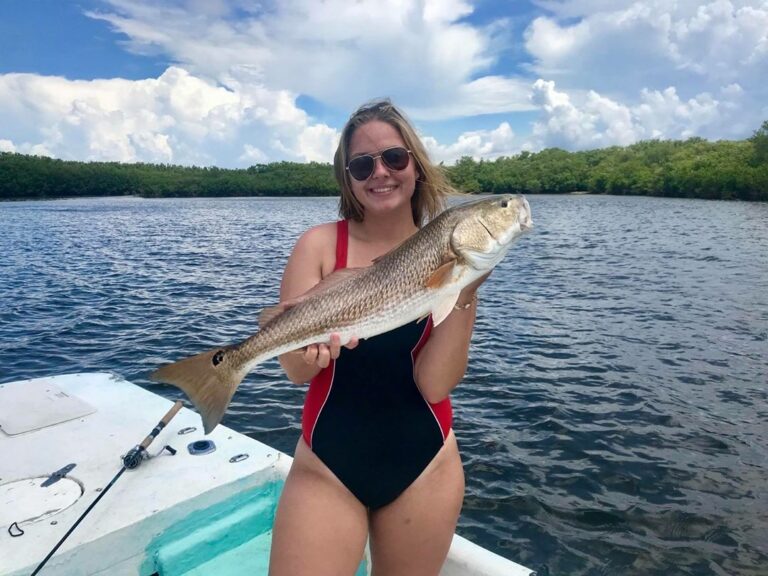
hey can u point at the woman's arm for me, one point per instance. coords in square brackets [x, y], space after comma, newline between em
[308, 264]
[442, 362]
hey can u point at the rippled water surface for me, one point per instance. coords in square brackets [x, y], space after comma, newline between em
[613, 419]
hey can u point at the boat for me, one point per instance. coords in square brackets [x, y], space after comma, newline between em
[208, 508]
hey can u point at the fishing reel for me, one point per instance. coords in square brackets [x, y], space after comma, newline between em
[134, 457]
[138, 453]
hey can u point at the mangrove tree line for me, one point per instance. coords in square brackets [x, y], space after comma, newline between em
[693, 168]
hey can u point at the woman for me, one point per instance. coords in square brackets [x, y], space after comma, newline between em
[377, 456]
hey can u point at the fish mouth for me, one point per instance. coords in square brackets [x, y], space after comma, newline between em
[524, 216]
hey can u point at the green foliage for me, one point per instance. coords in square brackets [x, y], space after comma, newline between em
[694, 168]
[39, 177]
[759, 142]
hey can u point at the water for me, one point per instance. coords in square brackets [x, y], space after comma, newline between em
[613, 419]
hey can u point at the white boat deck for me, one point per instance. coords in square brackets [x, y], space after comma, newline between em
[92, 420]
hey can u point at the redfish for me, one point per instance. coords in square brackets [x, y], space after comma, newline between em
[423, 275]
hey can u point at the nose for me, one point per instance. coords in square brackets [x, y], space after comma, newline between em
[379, 168]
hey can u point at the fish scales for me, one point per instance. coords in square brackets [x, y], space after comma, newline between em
[376, 293]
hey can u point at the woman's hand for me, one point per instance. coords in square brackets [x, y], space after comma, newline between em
[321, 355]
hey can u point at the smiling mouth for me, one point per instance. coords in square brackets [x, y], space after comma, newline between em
[382, 189]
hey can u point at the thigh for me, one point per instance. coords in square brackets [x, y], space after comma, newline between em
[412, 535]
[320, 527]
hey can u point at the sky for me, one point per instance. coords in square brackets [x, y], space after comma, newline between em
[233, 83]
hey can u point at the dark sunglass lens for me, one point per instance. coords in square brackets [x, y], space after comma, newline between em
[361, 167]
[395, 158]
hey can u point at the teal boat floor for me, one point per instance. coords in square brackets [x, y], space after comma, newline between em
[251, 558]
[230, 538]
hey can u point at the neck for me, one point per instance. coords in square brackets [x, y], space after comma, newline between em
[385, 228]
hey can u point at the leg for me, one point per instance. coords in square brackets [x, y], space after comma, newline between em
[412, 535]
[320, 528]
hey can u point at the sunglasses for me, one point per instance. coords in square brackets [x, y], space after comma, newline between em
[362, 167]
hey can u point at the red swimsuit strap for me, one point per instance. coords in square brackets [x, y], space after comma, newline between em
[342, 240]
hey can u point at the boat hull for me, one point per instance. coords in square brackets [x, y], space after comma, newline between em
[179, 514]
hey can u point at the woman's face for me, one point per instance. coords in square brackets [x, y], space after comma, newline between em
[385, 189]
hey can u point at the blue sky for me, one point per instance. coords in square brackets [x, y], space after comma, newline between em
[236, 82]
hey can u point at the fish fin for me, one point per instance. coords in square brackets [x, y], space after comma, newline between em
[333, 279]
[207, 379]
[442, 275]
[268, 314]
[443, 307]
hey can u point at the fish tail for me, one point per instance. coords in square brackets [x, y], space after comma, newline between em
[208, 379]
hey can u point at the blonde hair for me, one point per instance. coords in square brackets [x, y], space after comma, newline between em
[432, 186]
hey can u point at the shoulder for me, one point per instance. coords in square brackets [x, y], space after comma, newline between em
[320, 234]
[312, 259]
[317, 240]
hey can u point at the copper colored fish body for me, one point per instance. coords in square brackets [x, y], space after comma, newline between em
[422, 276]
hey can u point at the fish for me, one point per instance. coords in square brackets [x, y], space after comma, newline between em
[423, 275]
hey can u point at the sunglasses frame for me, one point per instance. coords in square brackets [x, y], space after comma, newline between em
[380, 155]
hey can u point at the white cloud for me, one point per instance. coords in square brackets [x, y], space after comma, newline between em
[487, 95]
[478, 144]
[627, 46]
[318, 143]
[628, 70]
[176, 118]
[584, 121]
[338, 52]
[252, 155]
[552, 44]
[230, 99]
[613, 72]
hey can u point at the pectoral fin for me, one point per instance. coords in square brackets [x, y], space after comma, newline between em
[443, 307]
[442, 275]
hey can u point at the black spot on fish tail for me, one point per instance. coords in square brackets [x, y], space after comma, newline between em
[217, 357]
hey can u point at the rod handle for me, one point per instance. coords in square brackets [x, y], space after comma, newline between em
[162, 424]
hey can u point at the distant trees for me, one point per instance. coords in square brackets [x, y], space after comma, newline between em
[759, 142]
[38, 177]
[694, 168]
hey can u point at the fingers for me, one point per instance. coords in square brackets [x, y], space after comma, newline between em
[318, 354]
[335, 347]
[322, 354]
[310, 353]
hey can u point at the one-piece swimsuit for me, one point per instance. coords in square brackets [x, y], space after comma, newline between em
[365, 417]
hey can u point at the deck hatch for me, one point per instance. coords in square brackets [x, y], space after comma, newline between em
[30, 405]
[26, 501]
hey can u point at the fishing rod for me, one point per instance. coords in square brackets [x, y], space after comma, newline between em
[131, 460]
